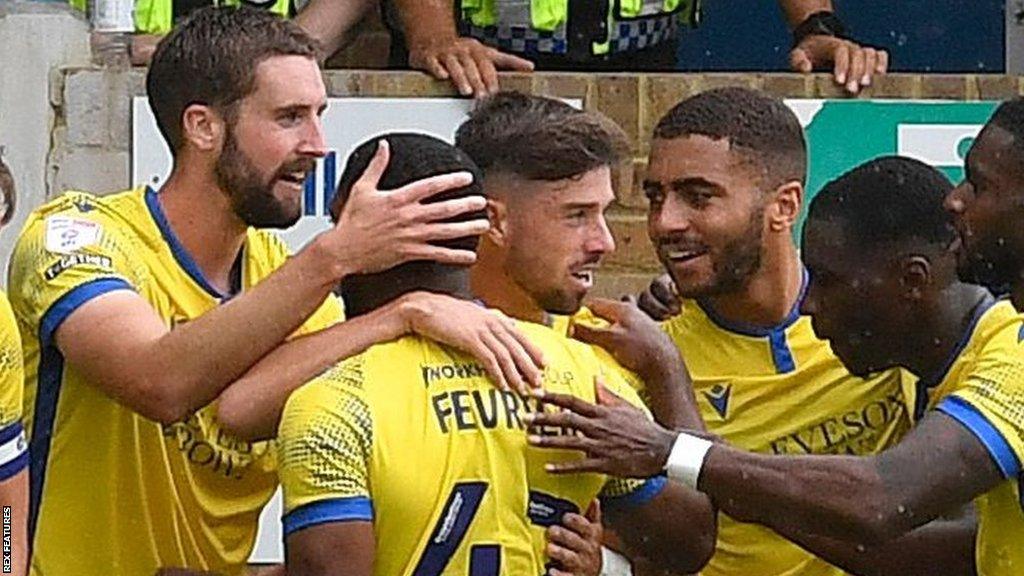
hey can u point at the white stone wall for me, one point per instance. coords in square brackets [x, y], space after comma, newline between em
[35, 39]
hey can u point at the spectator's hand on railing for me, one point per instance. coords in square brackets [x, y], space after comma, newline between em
[854, 66]
[470, 65]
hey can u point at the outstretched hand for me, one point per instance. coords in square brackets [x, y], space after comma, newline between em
[616, 437]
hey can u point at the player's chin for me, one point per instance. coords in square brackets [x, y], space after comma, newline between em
[565, 302]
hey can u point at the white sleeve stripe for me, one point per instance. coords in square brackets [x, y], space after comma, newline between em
[13, 448]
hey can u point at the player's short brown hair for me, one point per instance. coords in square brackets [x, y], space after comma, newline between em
[539, 138]
[211, 59]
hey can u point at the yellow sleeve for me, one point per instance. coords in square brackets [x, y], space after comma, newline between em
[273, 253]
[324, 444]
[990, 399]
[328, 314]
[13, 448]
[64, 259]
[627, 492]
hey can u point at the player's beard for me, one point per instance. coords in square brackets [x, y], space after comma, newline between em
[736, 262]
[251, 195]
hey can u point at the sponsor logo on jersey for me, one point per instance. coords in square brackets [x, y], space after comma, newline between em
[855, 432]
[65, 235]
[73, 260]
[718, 397]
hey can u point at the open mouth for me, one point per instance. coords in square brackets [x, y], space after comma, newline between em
[296, 178]
[584, 277]
[680, 256]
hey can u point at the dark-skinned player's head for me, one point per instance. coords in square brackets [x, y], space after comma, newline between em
[876, 246]
[413, 157]
[725, 186]
[988, 206]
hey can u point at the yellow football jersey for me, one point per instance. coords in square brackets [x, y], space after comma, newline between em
[416, 438]
[13, 447]
[983, 389]
[111, 491]
[781, 390]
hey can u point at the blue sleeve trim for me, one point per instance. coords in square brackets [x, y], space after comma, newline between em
[963, 412]
[14, 466]
[358, 508]
[72, 300]
[11, 432]
[639, 497]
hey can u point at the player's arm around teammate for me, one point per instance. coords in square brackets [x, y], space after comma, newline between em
[251, 407]
[508, 357]
[866, 502]
[120, 343]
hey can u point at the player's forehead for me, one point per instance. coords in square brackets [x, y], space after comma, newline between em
[696, 158]
[288, 80]
[592, 189]
[828, 248]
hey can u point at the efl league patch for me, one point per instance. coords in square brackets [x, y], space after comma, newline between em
[65, 235]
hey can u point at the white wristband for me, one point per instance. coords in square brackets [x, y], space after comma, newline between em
[687, 458]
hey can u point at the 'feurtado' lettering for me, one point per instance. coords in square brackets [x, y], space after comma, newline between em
[490, 409]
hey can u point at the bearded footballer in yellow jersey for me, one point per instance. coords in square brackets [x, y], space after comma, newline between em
[139, 310]
[13, 446]
[418, 466]
[877, 247]
[725, 188]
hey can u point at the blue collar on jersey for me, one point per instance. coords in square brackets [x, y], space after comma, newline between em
[182, 256]
[782, 356]
[747, 329]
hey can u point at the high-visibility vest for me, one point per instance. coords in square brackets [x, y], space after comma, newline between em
[542, 26]
[157, 16]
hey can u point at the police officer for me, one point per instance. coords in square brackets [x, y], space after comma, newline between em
[331, 22]
[467, 41]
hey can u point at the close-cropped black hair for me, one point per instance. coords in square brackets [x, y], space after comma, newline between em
[413, 157]
[756, 124]
[1010, 117]
[890, 199]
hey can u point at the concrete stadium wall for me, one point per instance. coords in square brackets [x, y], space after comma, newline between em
[91, 136]
[35, 39]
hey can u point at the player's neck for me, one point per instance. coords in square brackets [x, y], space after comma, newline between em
[941, 327]
[491, 284]
[199, 214]
[770, 294]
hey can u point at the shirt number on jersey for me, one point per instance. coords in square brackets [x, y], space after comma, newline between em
[451, 528]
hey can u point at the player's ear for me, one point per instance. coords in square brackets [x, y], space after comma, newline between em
[915, 276]
[202, 128]
[783, 208]
[497, 215]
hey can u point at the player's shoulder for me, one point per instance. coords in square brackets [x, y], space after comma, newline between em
[691, 319]
[329, 392]
[112, 208]
[555, 342]
[76, 219]
[1000, 324]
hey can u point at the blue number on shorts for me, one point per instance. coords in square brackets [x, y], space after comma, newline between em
[451, 528]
